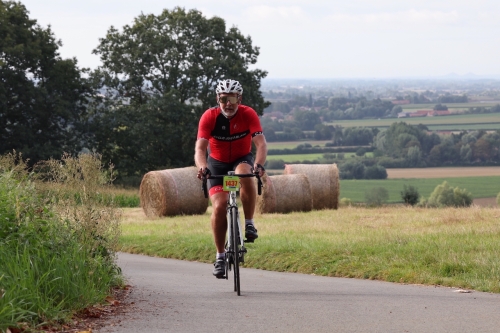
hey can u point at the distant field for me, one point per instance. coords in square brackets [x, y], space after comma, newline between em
[479, 187]
[465, 127]
[478, 120]
[451, 106]
[309, 157]
[443, 172]
[293, 144]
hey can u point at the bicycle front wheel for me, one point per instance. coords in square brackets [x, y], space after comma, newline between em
[236, 248]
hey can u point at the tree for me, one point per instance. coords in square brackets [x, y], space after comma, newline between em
[440, 107]
[156, 135]
[444, 195]
[43, 98]
[158, 75]
[307, 120]
[376, 196]
[375, 172]
[414, 156]
[410, 195]
[178, 50]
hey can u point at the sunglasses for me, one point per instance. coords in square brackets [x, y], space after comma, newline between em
[231, 99]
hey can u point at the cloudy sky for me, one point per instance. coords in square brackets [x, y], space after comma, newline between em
[314, 38]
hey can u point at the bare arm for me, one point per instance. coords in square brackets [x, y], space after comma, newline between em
[261, 154]
[200, 155]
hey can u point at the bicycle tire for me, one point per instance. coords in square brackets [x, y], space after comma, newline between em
[236, 249]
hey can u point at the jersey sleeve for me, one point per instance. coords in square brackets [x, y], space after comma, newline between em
[254, 121]
[204, 128]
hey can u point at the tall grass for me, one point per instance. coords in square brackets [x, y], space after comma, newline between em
[455, 247]
[57, 252]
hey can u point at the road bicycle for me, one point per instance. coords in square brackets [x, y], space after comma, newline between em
[235, 244]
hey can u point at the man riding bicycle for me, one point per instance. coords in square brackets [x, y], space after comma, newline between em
[227, 132]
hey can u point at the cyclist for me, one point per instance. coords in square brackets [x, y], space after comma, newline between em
[226, 132]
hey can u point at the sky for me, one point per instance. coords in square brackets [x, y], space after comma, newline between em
[313, 39]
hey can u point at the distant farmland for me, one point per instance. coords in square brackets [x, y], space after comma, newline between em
[443, 172]
[457, 122]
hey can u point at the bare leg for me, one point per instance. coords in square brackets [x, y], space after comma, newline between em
[219, 220]
[248, 191]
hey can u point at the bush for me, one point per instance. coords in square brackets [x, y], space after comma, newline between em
[375, 172]
[56, 248]
[275, 164]
[498, 199]
[376, 196]
[446, 196]
[352, 170]
[410, 195]
[344, 202]
[361, 152]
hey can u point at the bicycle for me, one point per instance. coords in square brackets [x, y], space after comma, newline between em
[235, 245]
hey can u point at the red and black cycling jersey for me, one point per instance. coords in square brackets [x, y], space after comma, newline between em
[229, 139]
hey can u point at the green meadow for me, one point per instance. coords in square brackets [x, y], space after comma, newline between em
[485, 120]
[455, 247]
[479, 187]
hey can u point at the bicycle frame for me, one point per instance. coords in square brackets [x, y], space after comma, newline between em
[235, 245]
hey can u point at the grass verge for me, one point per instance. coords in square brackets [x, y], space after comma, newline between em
[56, 250]
[456, 247]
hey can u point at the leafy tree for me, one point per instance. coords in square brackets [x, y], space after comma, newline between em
[361, 152]
[481, 150]
[178, 50]
[400, 137]
[410, 195]
[307, 120]
[395, 110]
[351, 169]
[444, 195]
[357, 136]
[323, 132]
[466, 153]
[414, 156]
[375, 172]
[440, 107]
[158, 75]
[376, 196]
[42, 97]
[156, 135]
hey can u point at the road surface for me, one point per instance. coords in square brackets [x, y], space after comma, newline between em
[180, 296]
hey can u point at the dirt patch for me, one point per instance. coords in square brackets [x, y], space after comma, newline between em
[443, 172]
[486, 202]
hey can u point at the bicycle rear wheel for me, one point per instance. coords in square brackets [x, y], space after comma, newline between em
[236, 249]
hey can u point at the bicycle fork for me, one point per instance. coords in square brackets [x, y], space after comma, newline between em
[234, 248]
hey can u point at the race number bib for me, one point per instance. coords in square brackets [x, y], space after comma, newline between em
[231, 183]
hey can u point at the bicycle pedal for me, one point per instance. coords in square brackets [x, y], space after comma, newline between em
[221, 277]
[249, 240]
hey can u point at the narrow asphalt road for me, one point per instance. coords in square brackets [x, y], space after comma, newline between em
[180, 296]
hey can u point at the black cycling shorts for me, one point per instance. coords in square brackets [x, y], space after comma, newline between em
[220, 168]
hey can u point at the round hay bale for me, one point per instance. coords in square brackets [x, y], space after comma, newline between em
[324, 179]
[172, 192]
[284, 194]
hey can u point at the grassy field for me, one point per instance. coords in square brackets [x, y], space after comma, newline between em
[310, 157]
[480, 187]
[443, 172]
[451, 106]
[294, 144]
[486, 121]
[456, 247]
